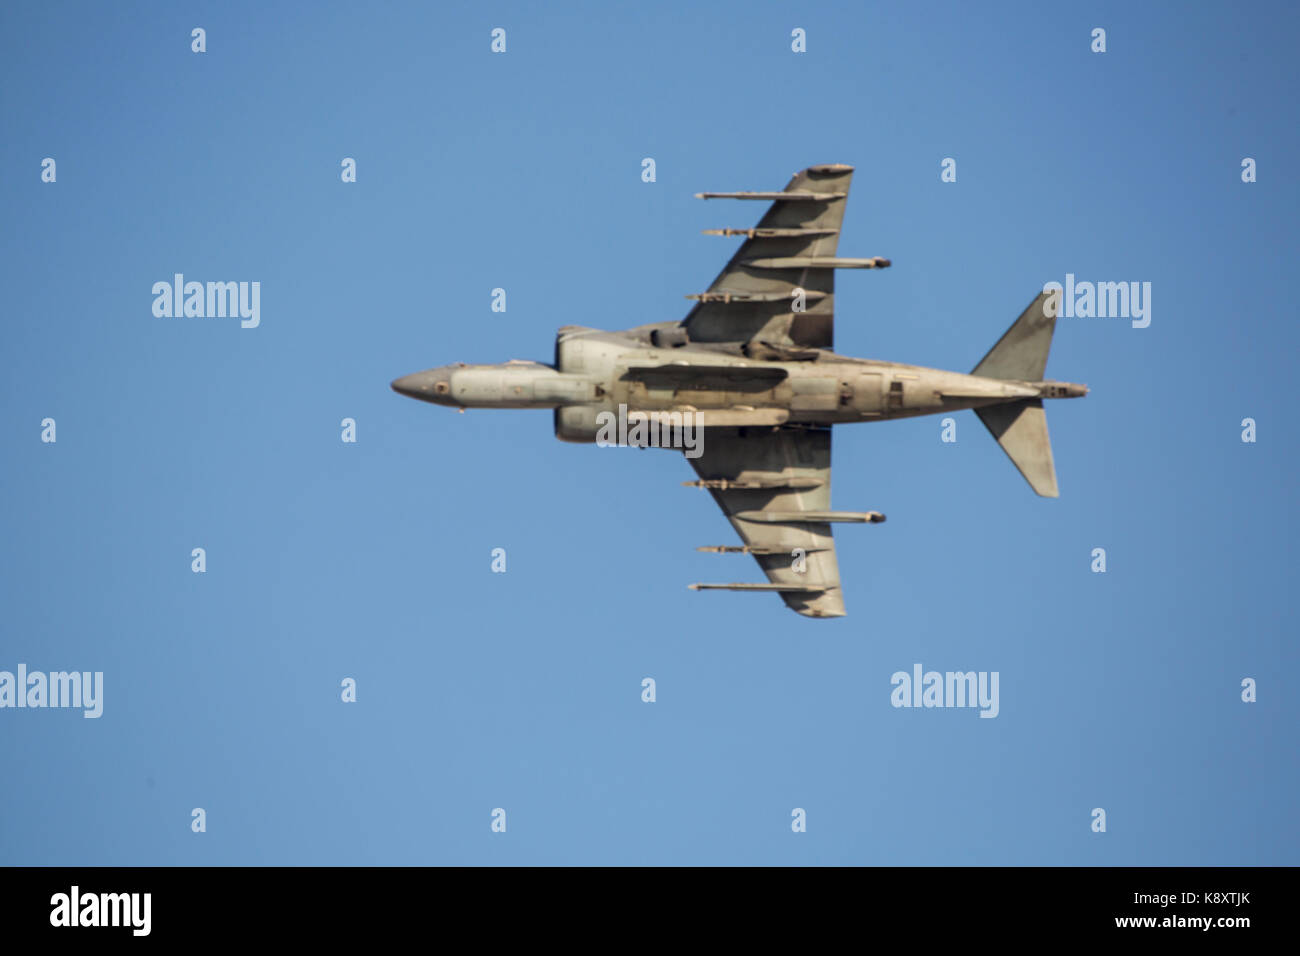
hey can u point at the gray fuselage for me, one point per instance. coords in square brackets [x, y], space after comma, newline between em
[599, 371]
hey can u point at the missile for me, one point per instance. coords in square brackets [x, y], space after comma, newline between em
[818, 262]
[764, 232]
[783, 588]
[751, 549]
[806, 517]
[793, 196]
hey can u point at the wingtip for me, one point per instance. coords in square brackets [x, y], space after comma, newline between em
[820, 614]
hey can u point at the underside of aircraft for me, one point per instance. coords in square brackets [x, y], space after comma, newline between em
[753, 367]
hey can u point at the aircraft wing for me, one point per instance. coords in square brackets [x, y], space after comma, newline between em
[792, 247]
[774, 486]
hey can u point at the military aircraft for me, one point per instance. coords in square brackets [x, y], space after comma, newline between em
[752, 365]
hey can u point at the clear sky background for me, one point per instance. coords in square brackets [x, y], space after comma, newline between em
[522, 690]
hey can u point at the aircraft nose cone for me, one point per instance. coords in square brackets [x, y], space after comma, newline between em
[433, 385]
[409, 385]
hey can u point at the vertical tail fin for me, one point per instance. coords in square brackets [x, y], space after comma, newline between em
[1020, 427]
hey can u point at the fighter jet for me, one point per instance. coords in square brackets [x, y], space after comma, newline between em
[753, 367]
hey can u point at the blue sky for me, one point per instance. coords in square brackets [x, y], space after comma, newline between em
[521, 690]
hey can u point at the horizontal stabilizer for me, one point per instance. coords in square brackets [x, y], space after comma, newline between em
[1021, 353]
[1021, 429]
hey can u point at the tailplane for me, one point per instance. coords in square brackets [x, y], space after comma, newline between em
[1020, 427]
[1021, 353]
